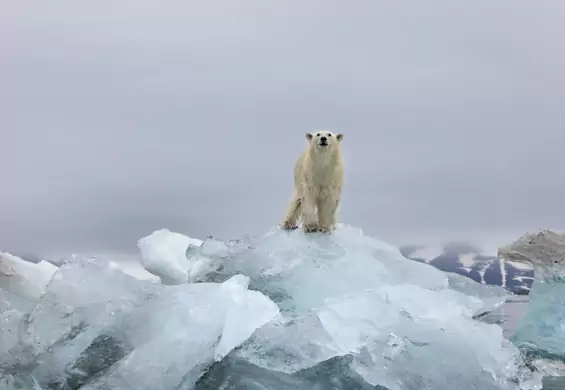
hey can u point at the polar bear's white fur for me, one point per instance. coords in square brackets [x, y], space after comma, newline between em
[318, 179]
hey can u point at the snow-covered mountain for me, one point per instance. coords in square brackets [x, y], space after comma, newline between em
[465, 259]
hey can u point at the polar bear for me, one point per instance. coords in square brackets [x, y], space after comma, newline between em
[318, 179]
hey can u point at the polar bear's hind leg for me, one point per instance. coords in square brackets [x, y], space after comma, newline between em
[293, 212]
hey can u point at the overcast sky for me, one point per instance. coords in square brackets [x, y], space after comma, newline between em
[120, 118]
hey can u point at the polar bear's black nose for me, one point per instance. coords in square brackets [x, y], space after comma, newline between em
[324, 139]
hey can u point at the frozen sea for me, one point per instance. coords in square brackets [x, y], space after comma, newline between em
[283, 310]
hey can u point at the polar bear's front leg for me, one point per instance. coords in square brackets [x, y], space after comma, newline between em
[327, 208]
[309, 209]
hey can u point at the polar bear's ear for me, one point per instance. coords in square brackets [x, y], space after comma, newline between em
[309, 136]
[339, 137]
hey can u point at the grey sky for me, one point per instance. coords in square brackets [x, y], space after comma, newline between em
[119, 118]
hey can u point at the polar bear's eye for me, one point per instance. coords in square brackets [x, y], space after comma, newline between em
[329, 135]
[317, 135]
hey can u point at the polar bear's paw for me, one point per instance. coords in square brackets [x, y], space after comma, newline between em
[311, 228]
[289, 225]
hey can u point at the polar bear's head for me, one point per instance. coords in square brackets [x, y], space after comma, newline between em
[324, 139]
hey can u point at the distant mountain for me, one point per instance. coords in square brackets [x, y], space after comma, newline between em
[465, 259]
